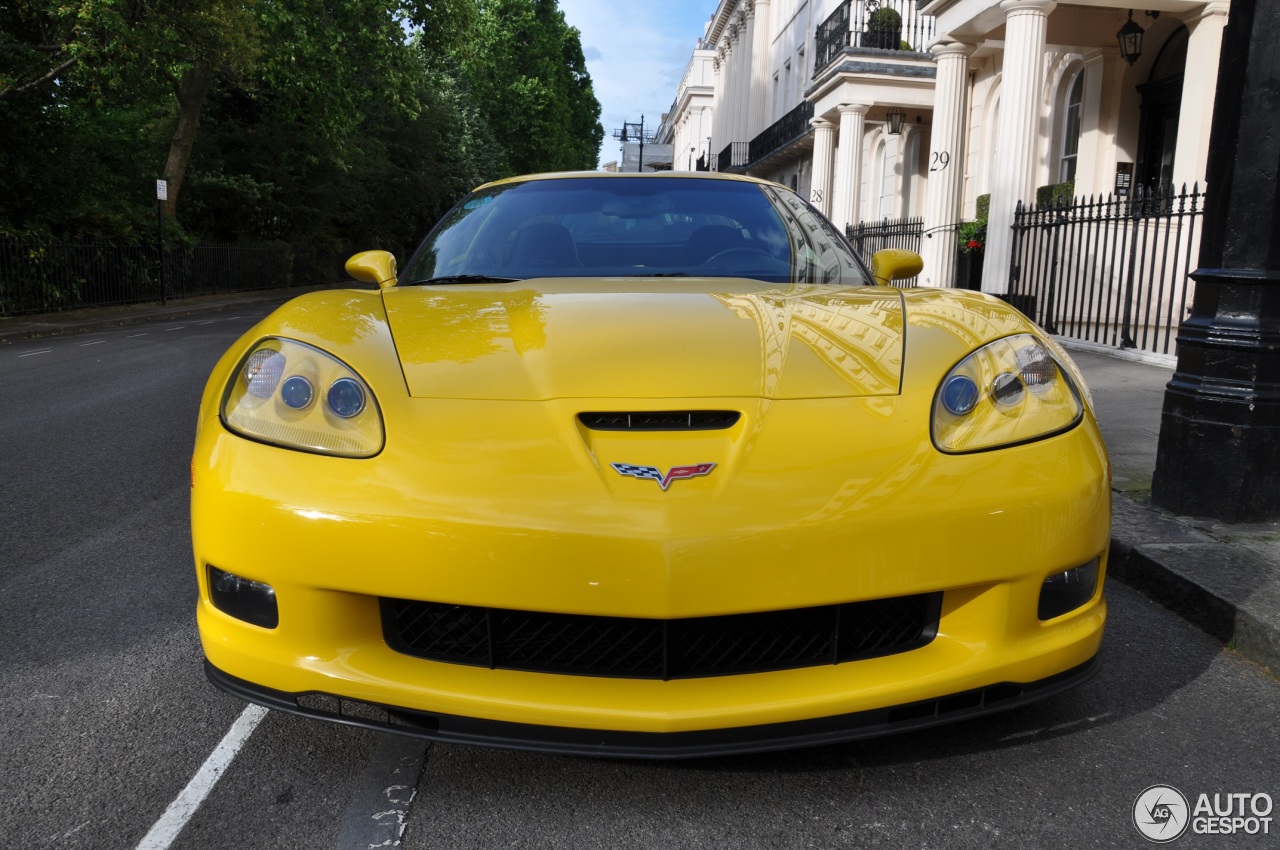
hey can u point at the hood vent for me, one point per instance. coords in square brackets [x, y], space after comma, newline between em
[661, 420]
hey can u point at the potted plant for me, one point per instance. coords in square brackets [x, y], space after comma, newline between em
[884, 29]
[971, 243]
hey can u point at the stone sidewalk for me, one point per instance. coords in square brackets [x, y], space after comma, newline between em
[1223, 578]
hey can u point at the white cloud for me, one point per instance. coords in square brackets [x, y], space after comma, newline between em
[636, 54]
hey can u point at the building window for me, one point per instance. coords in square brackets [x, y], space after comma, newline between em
[1071, 131]
[888, 176]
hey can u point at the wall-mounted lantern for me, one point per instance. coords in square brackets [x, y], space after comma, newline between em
[896, 119]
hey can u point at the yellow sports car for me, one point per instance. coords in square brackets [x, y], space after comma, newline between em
[646, 465]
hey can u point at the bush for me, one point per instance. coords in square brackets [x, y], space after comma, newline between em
[1056, 194]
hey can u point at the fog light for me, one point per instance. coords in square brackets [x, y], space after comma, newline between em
[1067, 591]
[251, 601]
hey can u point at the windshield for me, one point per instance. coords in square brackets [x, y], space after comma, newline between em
[627, 227]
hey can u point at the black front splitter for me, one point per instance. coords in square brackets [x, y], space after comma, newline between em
[453, 729]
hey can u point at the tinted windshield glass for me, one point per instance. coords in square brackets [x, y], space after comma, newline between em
[608, 227]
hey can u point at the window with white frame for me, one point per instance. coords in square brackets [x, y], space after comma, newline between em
[1071, 131]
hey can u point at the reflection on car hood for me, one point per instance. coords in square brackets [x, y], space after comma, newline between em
[622, 338]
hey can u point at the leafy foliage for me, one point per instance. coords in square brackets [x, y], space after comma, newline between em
[971, 236]
[338, 123]
[528, 74]
[1056, 194]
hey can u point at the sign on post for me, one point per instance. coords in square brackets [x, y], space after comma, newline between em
[162, 190]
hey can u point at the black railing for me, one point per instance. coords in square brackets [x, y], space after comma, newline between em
[44, 277]
[733, 156]
[784, 131]
[832, 37]
[879, 24]
[869, 237]
[1112, 271]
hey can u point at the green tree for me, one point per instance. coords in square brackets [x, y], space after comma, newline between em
[529, 77]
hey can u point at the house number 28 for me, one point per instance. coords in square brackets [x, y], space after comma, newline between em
[941, 159]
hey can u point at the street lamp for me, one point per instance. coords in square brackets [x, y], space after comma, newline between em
[896, 119]
[1130, 38]
[633, 133]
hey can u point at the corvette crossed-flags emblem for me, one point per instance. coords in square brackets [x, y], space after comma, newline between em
[664, 481]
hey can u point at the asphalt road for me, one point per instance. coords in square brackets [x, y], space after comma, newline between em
[105, 716]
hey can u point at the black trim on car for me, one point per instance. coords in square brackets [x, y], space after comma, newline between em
[660, 420]
[453, 729]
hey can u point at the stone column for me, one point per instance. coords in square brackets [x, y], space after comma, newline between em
[760, 76]
[1198, 90]
[824, 139]
[1090, 178]
[1020, 100]
[944, 187]
[847, 189]
[718, 101]
[748, 68]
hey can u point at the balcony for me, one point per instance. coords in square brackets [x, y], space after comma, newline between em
[787, 129]
[732, 158]
[874, 24]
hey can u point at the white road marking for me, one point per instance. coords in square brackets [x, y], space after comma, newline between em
[34, 353]
[184, 806]
[95, 342]
[134, 336]
[178, 328]
[210, 322]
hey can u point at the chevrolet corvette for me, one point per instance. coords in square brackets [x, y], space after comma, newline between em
[646, 465]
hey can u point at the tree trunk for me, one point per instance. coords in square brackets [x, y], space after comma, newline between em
[191, 91]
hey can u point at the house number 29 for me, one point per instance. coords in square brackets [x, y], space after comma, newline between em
[941, 159]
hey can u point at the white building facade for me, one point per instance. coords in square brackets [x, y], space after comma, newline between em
[890, 110]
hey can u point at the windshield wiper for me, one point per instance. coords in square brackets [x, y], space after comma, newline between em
[463, 278]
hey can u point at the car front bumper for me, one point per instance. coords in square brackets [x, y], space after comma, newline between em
[496, 504]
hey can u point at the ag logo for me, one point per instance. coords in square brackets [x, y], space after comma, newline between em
[664, 480]
[1161, 813]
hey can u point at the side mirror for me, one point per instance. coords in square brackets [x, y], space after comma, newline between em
[378, 267]
[895, 264]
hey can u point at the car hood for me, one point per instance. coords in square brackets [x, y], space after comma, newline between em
[614, 338]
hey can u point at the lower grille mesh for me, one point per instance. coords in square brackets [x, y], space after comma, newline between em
[628, 647]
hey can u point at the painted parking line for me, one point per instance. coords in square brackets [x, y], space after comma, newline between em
[184, 806]
[34, 353]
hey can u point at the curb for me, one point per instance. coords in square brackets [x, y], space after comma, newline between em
[1226, 590]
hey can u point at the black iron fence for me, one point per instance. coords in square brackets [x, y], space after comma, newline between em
[882, 24]
[869, 237]
[1112, 271]
[43, 277]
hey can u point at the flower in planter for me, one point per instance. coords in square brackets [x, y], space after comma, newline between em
[971, 235]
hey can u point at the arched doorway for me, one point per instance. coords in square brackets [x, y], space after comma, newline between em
[1161, 102]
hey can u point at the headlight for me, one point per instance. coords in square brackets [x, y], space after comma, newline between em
[290, 394]
[1007, 392]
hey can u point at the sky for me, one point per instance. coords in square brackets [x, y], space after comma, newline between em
[636, 53]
